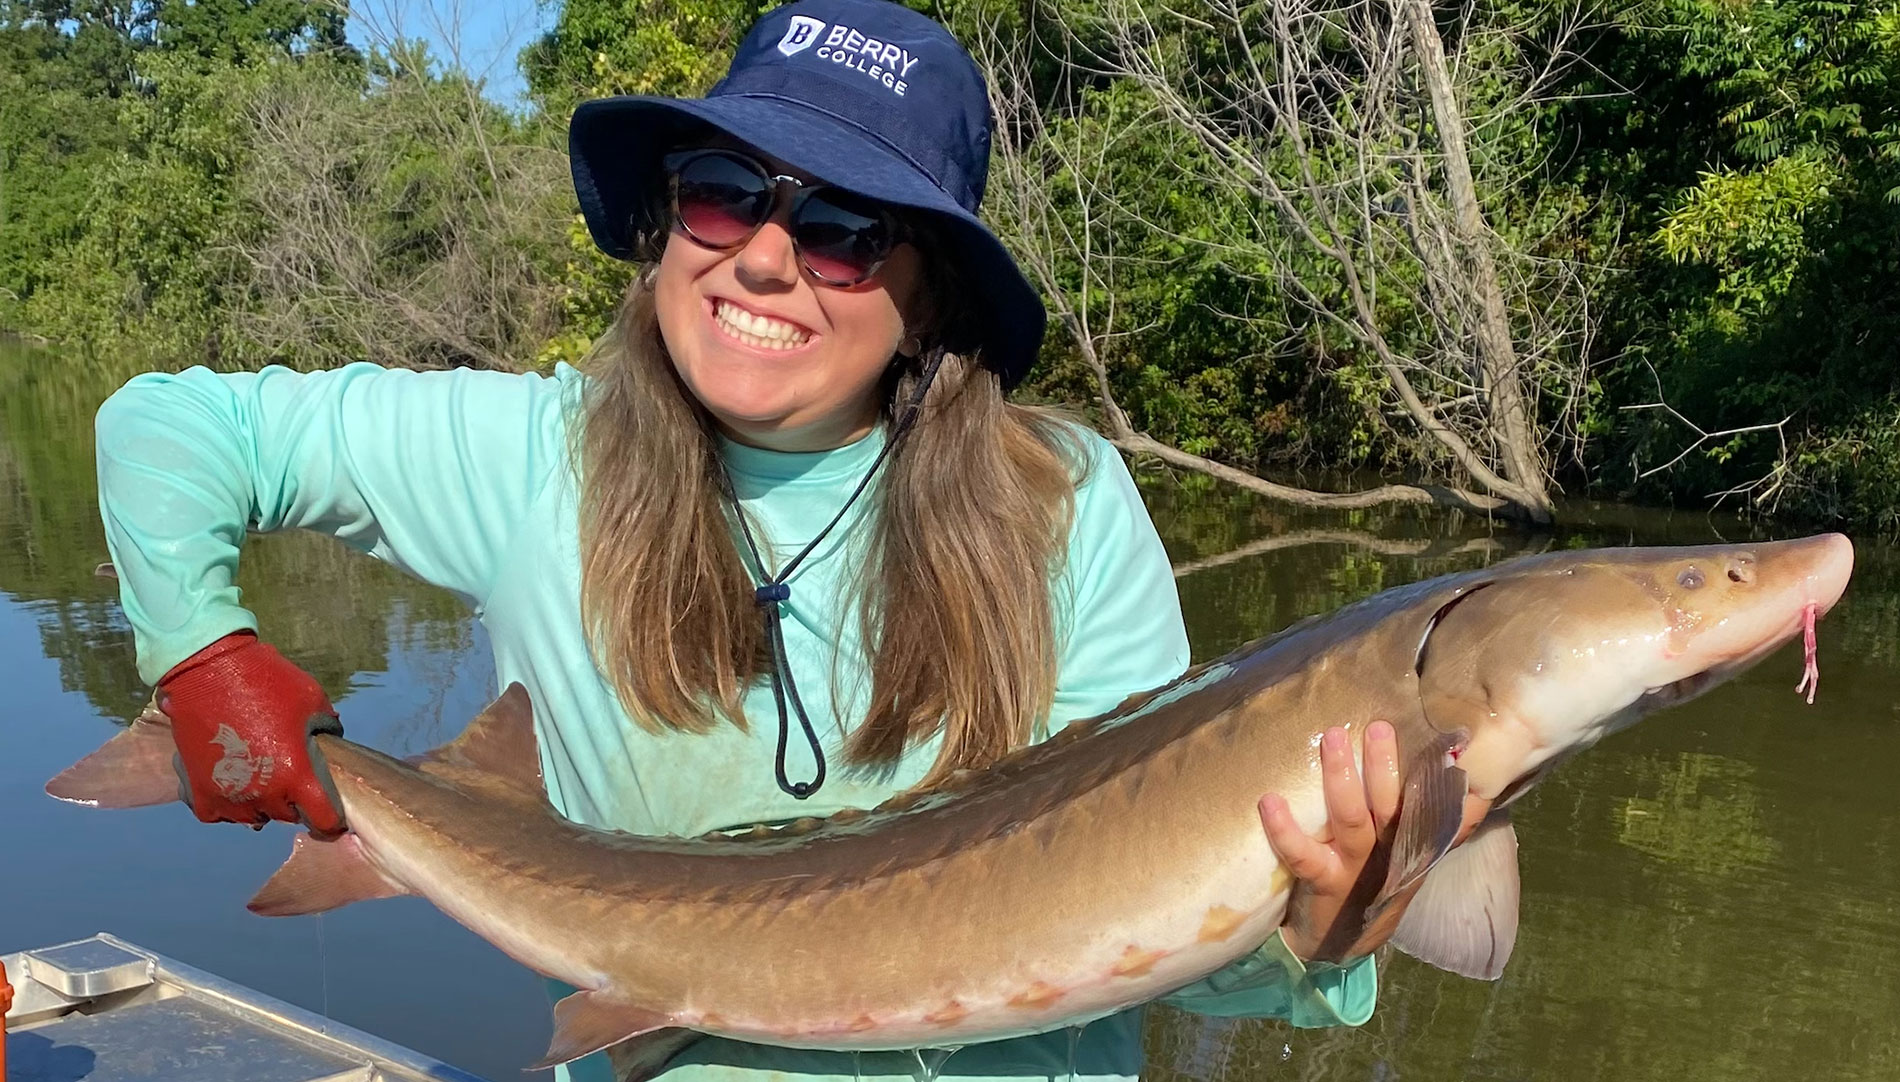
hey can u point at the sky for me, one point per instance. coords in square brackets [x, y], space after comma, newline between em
[489, 34]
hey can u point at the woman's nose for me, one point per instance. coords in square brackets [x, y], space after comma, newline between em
[768, 258]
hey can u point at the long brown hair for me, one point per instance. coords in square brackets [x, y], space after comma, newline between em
[954, 599]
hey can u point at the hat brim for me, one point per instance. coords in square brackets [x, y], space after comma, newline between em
[614, 150]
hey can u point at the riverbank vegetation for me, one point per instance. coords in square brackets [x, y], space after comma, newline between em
[1494, 252]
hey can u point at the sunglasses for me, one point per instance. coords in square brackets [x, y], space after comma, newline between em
[721, 198]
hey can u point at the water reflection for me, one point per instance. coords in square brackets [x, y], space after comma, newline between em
[1705, 816]
[1714, 894]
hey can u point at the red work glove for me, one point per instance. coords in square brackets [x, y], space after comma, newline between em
[242, 717]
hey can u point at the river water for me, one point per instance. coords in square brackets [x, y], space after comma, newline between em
[1713, 895]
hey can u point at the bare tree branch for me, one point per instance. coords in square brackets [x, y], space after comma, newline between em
[1760, 491]
[362, 254]
[1701, 436]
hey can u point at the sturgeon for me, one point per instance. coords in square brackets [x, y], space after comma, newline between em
[1137, 832]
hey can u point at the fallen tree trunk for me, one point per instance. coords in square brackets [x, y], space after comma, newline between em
[1440, 495]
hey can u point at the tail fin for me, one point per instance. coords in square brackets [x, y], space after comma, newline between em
[132, 770]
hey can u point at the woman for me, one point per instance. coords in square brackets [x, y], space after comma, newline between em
[785, 549]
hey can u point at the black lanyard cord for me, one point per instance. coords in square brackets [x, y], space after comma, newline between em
[776, 591]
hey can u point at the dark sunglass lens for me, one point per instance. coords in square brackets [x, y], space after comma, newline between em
[843, 239]
[720, 200]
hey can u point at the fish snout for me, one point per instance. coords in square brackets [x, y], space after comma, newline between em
[1730, 607]
[1804, 571]
[1833, 564]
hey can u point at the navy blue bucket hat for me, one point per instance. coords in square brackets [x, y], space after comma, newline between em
[864, 94]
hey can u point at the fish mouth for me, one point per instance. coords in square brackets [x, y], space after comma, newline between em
[1687, 688]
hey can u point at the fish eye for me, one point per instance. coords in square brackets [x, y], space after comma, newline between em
[1690, 579]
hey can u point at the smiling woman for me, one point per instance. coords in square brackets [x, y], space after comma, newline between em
[782, 547]
[781, 315]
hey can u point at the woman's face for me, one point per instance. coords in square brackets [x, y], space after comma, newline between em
[780, 359]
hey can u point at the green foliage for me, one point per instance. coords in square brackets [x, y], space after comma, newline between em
[1752, 228]
[1794, 75]
[58, 103]
[142, 264]
[603, 47]
[1851, 470]
[592, 285]
[121, 132]
[1731, 166]
[255, 190]
[600, 48]
[228, 32]
[1762, 156]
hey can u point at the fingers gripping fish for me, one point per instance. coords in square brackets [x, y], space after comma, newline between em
[1138, 828]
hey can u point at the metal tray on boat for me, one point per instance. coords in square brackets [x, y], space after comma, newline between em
[105, 1010]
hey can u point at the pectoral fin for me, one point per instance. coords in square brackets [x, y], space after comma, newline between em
[1430, 813]
[1464, 919]
[590, 1021]
[320, 876]
[639, 1059]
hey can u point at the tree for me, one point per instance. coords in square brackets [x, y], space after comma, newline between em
[1337, 145]
[232, 31]
[411, 222]
[63, 69]
[603, 47]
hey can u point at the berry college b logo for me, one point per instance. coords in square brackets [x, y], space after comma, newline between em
[800, 35]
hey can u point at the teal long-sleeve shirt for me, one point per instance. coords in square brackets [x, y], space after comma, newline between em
[463, 479]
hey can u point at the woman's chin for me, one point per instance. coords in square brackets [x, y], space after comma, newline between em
[761, 423]
[741, 397]
[768, 410]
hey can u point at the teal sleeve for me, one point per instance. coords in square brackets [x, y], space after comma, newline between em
[429, 471]
[1273, 983]
[1123, 633]
[1117, 614]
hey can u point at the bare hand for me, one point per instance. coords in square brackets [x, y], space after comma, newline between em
[1340, 872]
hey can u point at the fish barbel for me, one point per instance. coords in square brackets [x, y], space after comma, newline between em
[1137, 832]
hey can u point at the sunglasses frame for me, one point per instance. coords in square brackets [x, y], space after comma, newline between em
[801, 192]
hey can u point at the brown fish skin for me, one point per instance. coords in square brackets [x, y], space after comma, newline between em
[1139, 839]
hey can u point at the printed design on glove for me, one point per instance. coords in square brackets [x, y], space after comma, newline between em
[237, 771]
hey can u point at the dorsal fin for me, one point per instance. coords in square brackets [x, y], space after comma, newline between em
[500, 743]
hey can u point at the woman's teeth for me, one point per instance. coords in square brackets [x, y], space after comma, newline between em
[760, 332]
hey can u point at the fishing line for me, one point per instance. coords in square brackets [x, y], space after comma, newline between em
[323, 971]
